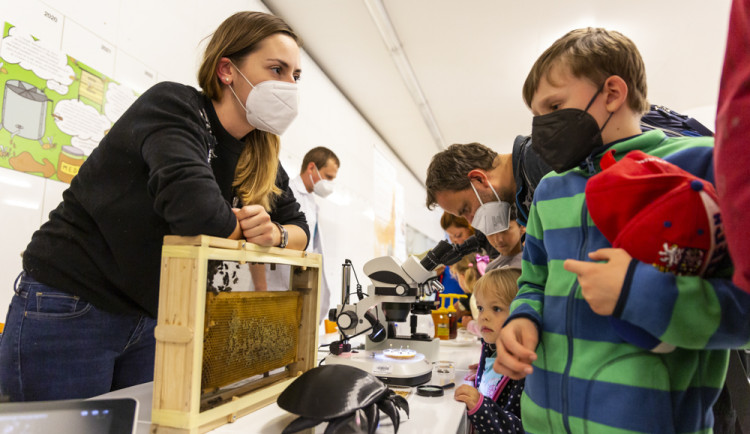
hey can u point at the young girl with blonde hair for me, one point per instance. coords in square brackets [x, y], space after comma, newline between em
[493, 402]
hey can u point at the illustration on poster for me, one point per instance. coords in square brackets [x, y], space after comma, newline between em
[55, 109]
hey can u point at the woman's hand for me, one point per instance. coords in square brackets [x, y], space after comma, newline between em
[256, 226]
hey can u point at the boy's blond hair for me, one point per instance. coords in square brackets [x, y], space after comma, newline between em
[595, 54]
[502, 282]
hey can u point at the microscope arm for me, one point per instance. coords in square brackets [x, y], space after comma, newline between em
[392, 283]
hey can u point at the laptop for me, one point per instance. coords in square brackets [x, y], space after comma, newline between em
[74, 416]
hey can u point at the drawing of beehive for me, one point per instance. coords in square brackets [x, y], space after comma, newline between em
[24, 110]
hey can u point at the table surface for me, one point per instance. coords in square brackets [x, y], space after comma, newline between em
[425, 413]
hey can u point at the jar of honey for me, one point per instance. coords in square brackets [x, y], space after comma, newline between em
[453, 324]
[442, 323]
[71, 159]
[447, 305]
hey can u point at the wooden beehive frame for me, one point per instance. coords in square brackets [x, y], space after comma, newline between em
[180, 327]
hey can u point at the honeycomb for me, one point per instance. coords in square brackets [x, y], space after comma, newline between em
[247, 334]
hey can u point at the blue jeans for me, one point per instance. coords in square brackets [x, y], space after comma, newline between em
[58, 346]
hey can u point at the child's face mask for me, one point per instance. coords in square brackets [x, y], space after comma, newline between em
[565, 137]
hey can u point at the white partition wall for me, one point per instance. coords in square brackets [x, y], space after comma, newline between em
[141, 42]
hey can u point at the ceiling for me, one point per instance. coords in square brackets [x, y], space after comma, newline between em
[469, 59]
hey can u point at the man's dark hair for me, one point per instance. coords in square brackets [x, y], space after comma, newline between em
[448, 169]
[320, 156]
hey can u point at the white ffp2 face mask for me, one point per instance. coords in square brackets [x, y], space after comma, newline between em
[271, 106]
[323, 187]
[491, 217]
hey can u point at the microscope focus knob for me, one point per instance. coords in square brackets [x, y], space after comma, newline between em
[401, 290]
[346, 320]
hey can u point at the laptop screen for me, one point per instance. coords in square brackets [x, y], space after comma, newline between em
[103, 416]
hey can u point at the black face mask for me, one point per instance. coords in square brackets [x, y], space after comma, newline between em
[564, 138]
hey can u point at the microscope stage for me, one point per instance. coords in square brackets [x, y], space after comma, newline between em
[398, 371]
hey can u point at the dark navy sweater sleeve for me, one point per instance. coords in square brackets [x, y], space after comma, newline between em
[503, 416]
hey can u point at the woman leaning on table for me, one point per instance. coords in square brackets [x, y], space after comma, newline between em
[178, 162]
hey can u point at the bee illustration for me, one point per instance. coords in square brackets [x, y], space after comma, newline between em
[49, 144]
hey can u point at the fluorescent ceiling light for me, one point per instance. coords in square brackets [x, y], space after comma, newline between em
[388, 33]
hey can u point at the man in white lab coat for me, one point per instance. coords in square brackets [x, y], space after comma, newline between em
[319, 168]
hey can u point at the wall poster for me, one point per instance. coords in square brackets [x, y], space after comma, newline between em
[54, 109]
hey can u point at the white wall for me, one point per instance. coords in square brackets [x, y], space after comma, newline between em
[141, 42]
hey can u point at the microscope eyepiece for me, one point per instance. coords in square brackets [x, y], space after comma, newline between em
[446, 253]
[433, 257]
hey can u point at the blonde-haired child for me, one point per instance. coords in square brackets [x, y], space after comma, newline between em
[494, 403]
[467, 272]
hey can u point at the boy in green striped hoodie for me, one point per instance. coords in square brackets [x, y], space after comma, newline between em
[587, 92]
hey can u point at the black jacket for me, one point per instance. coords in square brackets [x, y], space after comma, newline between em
[149, 177]
[528, 170]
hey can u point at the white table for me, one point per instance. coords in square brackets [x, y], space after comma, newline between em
[427, 415]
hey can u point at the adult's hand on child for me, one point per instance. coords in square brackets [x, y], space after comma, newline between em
[468, 395]
[256, 225]
[516, 348]
[601, 283]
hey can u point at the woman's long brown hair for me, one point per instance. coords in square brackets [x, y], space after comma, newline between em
[237, 37]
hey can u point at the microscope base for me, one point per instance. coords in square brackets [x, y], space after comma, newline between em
[401, 372]
[430, 348]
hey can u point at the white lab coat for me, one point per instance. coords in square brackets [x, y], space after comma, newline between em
[315, 245]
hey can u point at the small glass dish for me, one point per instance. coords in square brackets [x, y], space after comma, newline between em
[443, 372]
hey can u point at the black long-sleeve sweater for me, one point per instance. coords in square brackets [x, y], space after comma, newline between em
[149, 177]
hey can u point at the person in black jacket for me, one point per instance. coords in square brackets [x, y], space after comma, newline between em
[178, 162]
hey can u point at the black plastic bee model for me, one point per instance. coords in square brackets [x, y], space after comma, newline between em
[348, 398]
